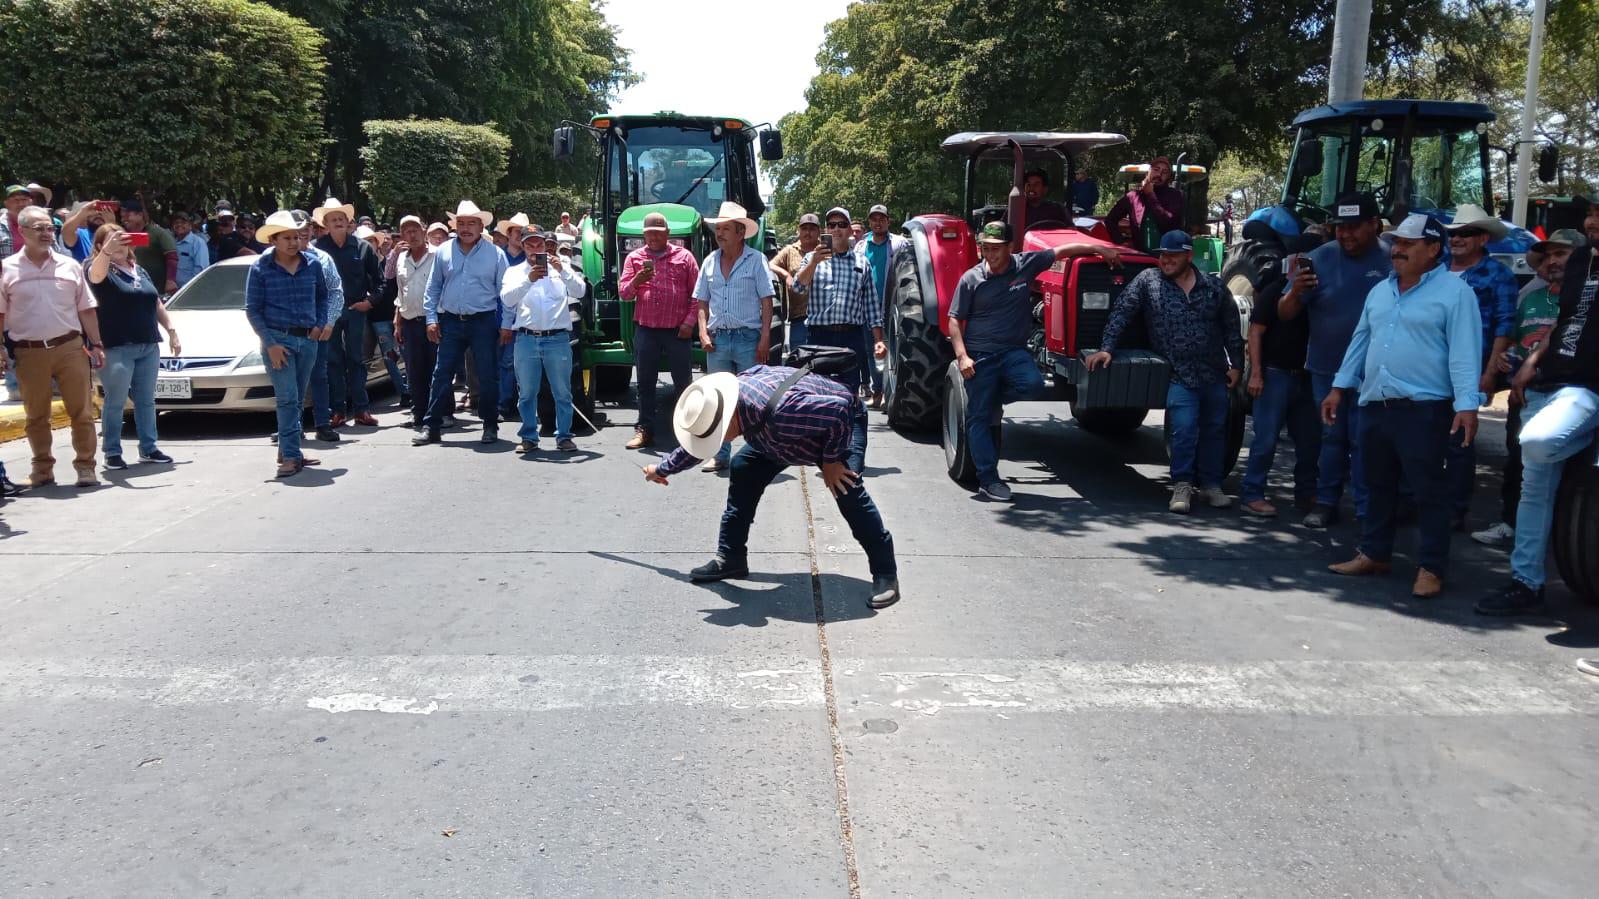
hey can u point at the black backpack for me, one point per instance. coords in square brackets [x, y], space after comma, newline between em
[808, 359]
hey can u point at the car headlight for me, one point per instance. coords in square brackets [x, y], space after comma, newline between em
[251, 359]
[629, 244]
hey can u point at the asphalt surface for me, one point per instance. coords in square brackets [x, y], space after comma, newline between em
[450, 671]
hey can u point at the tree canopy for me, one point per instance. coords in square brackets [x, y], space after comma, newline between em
[426, 166]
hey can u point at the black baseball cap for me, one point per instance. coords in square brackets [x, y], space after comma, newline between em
[1353, 208]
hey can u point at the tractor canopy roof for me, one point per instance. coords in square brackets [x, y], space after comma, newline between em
[1187, 171]
[1455, 116]
[668, 117]
[996, 144]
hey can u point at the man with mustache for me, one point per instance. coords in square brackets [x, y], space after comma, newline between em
[1416, 358]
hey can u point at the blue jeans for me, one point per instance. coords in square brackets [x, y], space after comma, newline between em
[1406, 443]
[1003, 376]
[1286, 400]
[289, 384]
[1340, 449]
[1196, 419]
[1555, 426]
[852, 340]
[752, 471]
[735, 351]
[480, 333]
[508, 376]
[799, 333]
[347, 364]
[129, 368]
[871, 373]
[537, 357]
[321, 405]
[384, 330]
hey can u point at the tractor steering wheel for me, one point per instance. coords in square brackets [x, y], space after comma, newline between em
[657, 191]
[1312, 213]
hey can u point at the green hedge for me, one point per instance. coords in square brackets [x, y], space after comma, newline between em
[425, 167]
[543, 205]
[182, 99]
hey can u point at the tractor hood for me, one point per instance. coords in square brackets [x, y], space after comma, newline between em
[682, 220]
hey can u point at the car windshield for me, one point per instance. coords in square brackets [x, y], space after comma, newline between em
[218, 287]
[673, 165]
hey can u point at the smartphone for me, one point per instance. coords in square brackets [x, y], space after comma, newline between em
[649, 265]
[107, 205]
[827, 241]
[541, 258]
[138, 238]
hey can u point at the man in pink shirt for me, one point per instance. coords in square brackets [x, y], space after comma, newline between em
[46, 305]
[660, 276]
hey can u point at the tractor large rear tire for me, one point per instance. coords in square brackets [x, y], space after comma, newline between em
[1575, 533]
[1249, 265]
[917, 353]
[957, 450]
[1109, 422]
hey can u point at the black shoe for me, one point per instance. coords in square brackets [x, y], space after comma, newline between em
[885, 592]
[431, 435]
[717, 570]
[157, 457]
[1516, 599]
[9, 488]
[326, 434]
[405, 400]
[1321, 517]
[116, 462]
[490, 435]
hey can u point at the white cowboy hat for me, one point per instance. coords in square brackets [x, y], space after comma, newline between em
[438, 226]
[35, 187]
[1472, 216]
[519, 220]
[330, 205]
[732, 212]
[704, 412]
[276, 223]
[468, 209]
[413, 220]
[364, 232]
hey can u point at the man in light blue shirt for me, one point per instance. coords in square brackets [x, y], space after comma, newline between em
[194, 254]
[1415, 357]
[735, 299]
[462, 305]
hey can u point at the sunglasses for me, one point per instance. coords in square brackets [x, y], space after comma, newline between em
[836, 224]
[1466, 233]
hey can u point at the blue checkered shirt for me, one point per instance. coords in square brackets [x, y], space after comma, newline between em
[1496, 290]
[275, 300]
[841, 293]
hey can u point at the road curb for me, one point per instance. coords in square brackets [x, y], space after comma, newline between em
[14, 420]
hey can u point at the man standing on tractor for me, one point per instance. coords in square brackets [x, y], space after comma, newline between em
[1415, 358]
[1330, 288]
[878, 252]
[786, 264]
[989, 320]
[735, 303]
[1150, 211]
[1035, 184]
[1496, 289]
[1193, 322]
[660, 278]
[842, 306]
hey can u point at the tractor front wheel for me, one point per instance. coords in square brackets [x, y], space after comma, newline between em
[1575, 533]
[957, 449]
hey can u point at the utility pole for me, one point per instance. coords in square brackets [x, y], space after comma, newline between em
[1346, 76]
[1529, 116]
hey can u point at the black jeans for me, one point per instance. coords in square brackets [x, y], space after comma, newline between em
[1407, 441]
[850, 337]
[649, 344]
[1510, 490]
[751, 472]
[421, 355]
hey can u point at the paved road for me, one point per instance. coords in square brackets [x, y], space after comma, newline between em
[442, 671]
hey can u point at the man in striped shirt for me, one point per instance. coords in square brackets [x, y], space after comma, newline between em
[811, 425]
[660, 277]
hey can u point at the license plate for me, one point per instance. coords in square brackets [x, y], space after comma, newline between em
[174, 389]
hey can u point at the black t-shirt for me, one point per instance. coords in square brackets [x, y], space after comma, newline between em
[225, 246]
[1284, 343]
[1573, 353]
[127, 308]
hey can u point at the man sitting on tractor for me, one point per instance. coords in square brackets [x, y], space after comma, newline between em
[989, 320]
[1150, 211]
[1035, 185]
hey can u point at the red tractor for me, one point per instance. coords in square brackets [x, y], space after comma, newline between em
[1073, 302]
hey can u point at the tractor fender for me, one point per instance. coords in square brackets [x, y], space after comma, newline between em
[945, 250]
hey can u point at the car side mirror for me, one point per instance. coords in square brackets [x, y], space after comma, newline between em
[771, 145]
[564, 144]
[1548, 163]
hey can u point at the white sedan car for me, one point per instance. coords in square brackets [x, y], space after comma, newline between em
[222, 369]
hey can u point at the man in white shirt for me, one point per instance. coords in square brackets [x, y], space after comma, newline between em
[537, 295]
[410, 265]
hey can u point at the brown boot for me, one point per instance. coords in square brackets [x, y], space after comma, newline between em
[1361, 565]
[640, 440]
[1427, 585]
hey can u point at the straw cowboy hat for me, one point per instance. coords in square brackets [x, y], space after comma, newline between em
[275, 224]
[439, 227]
[704, 412]
[468, 209]
[330, 205]
[516, 221]
[732, 212]
[1472, 216]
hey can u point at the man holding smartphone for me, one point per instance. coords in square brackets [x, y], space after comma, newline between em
[157, 254]
[659, 277]
[537, 322]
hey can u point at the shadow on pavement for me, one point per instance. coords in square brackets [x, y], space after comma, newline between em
[763, 597]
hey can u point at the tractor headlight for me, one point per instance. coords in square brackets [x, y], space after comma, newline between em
[1096, 299]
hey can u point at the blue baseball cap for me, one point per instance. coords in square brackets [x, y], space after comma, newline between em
[1176, 242]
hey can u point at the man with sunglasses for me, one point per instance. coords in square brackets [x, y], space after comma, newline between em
[1496, 290]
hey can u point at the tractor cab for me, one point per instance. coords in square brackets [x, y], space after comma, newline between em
[1193, 181]
[996, 164]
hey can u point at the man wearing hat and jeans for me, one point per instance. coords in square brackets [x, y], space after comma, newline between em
[809, 425]
[461, 304]
[878, 251]
[659, 278]
[361, 272]
[735, 293]
[785, 265]
[287, 303]
[1415, 357]
[537, 322]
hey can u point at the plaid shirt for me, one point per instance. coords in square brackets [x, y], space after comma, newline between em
[275, 300]
[666, 300]
[840, 293]
[809, 427]
[1496, 290]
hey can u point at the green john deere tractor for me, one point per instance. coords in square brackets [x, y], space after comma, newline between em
[681, 166]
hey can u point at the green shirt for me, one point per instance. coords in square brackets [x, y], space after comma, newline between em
[1535, 315]
[154, 257]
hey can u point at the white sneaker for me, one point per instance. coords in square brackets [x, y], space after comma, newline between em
[1182, 497]
[1216, 498]
[1498, 535]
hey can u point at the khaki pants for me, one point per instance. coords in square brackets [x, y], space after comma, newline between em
[68, 367]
